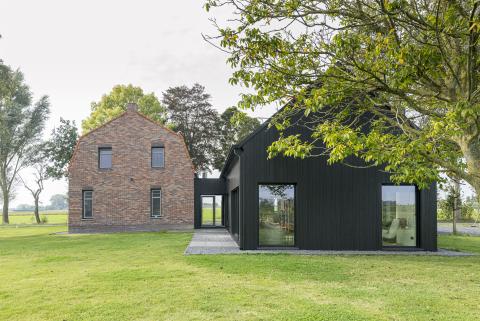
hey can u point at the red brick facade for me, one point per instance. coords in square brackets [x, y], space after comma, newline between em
[121, 195]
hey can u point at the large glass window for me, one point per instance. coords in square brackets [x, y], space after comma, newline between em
[399, 220]
[105, 157]
[158, 157]
[87, 197]
[156, 203]
[276, 215]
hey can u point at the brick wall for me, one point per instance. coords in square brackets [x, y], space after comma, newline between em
[121, 195]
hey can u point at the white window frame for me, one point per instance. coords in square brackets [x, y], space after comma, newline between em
[151, 161]
[84, 199]
[152, 197]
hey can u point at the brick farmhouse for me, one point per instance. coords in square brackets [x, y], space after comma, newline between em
[130, 174]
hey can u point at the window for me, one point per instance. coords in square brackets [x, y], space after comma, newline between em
[158, 157]
[276, 215]
[105, 157]
[156, 203]
[399, 219]
[87, 204]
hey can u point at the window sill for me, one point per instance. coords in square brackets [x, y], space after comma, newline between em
[157, 168]
[87, 218]
[105, 169]
[156, 218]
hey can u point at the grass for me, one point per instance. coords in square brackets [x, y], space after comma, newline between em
[27, 217]
[145, 276]
[207, 216]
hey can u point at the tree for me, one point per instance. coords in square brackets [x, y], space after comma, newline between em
[453, 202]
[393, 82]
[21, 126]
[60, 147]
[115, 103]
[190, 112]
[234, 125]
[58, 202]
[40, 175]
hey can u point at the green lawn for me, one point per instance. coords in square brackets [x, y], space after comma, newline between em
[145, 276]
[52, 217]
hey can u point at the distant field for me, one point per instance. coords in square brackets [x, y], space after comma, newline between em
[27, 217]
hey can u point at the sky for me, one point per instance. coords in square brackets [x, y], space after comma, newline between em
[76, 51]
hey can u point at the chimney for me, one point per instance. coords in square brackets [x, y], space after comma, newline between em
[132, 107]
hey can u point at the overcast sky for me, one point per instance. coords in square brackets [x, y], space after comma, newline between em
[75, 51]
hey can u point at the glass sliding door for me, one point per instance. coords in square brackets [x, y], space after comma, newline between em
[212, 210]
[207, 210]
[276, 215]
[399, 216]
[218, 211]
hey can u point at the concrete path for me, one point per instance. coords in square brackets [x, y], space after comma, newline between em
[212, 241]
[219, 241]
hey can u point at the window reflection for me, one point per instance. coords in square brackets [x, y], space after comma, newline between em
[399, 226]
[276, 215]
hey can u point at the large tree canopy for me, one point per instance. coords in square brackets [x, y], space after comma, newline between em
[115, 103]
[21, 126]
[191, 113]
[407, 68]
[233, 126]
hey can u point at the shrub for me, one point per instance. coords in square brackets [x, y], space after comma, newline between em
[44, 219]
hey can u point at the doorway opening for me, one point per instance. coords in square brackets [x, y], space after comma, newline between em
[212, 211]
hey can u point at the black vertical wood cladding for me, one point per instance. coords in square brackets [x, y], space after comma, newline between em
[428, 218]
[337, 207]
[205, 186]
[233, 195]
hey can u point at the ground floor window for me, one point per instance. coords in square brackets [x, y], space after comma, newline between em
[276, 215]
[87, 211]
[156, 203]
[399, 215]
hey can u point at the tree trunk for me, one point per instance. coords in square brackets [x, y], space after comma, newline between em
[457, 205]
[37, 214]
[5, 208]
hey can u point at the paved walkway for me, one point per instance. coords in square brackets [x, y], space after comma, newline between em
[212, 241]
[219, 241]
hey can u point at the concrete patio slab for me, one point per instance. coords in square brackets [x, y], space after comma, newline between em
[212, 241]
[219, 241]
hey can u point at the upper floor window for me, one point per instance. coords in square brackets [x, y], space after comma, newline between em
[158, 157]
[87, 206]
[105, 157]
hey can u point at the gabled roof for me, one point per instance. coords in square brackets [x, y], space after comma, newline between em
[239, 145]
[120, 116]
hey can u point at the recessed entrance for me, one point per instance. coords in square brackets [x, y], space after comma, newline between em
[212, 211]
